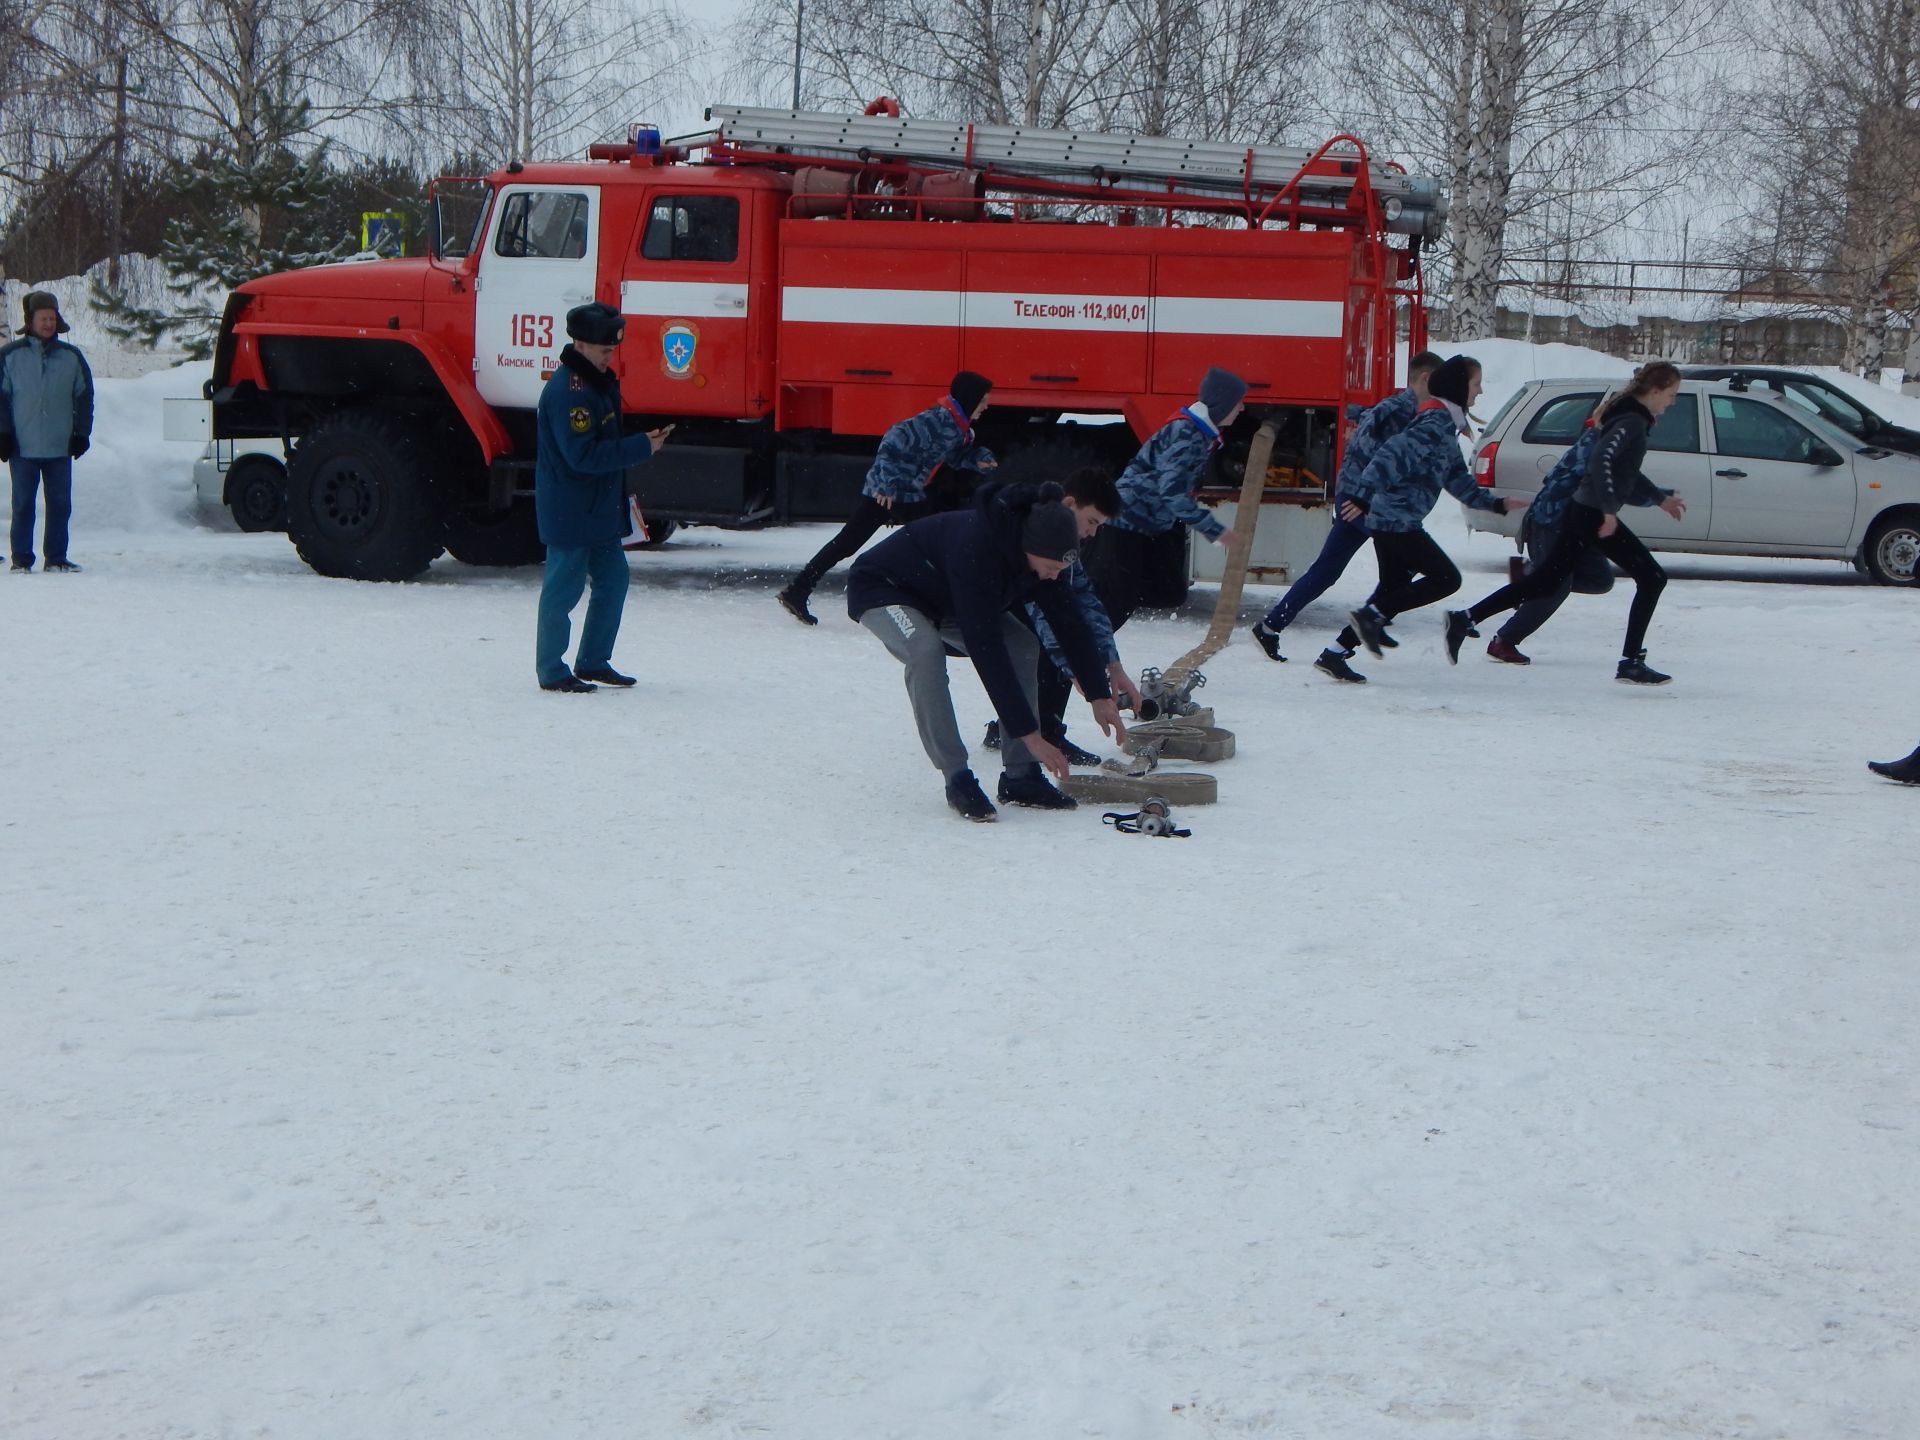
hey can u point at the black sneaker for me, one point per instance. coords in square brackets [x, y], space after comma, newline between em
[794, 602]
[23, 567]
[571, 685]
[61, 567]
[965, 795]
[1371, 626]
[1387, 642]
[1906, 771]
[1268, 640]
[992, 742]
[605, 675]
[1075, 755]
[1635, 671]
[1332, 662]
[1459, 631]
[1034, 790]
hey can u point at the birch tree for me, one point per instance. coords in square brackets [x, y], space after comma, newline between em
[539, 79]
[1837, 143]
[1499, 95]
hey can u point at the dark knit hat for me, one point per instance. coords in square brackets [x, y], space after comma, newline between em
[968, 390]
[1050, 531]
[38, 300]
[1451, 380]
[1220, 391]
[596, 324]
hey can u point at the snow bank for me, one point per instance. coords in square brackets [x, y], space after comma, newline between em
[144, 283]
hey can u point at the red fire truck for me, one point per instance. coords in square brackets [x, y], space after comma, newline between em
[795, 282]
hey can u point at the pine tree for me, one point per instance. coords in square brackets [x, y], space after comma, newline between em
[240, 217]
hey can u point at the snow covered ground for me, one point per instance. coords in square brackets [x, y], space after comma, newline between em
[392, 1050]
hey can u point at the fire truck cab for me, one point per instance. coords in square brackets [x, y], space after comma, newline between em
[795, 283]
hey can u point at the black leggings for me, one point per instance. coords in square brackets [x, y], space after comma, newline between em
[867, 518]
[1580, 534]
[1414, 571]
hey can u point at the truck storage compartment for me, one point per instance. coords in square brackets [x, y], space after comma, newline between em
[711, 485]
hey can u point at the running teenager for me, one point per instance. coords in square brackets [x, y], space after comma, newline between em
[895, 492]
[1156, 494]
[1395, 494]
[1592, 574]
[1612, 478]
[1347, 535]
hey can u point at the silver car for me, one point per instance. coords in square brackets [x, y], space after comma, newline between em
[1760, 475]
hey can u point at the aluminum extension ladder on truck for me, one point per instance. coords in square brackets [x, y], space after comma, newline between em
[1333, 188]
[794, 283]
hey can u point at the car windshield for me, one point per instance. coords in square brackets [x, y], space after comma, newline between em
[1826, 402]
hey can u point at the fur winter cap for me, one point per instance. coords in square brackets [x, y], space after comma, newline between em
[596, 324]
[1451, 380]
[1220, 391]
[968, 390]
[1050, 531]
[38, 300]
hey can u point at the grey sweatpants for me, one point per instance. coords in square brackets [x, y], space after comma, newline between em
[912, 639]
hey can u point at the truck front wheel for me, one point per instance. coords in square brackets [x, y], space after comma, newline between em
[361, 499]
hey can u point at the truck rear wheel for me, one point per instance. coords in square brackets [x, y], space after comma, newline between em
[362, 502]
[500, 537]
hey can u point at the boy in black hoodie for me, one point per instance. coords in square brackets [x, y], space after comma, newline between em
[956, 580]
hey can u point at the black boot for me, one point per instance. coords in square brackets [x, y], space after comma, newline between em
[1032, 788]
[605, 675]
[1075, 755]
[1459, 631]
[965, 795]
[992, 742]
[1371, 626]
[1906, 771]
[569, 685]
[1635, 671]
[1268, 640]
[793, 600]
[1332, 662]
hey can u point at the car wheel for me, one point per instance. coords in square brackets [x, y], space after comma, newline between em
[1893, 549]
[257, 493]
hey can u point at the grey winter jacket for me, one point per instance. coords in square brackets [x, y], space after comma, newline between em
[911, 450]
[1402, 482]
[46, 397]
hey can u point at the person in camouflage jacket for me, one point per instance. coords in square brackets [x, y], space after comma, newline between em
[1396, 493]
[1346, 536]
[895, 491]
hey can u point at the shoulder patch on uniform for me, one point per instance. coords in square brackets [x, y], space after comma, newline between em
[581, 419]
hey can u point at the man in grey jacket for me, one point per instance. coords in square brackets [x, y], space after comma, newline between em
[46, 423]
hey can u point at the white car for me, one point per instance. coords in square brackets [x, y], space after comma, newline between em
[248, 478]
[1760, 475]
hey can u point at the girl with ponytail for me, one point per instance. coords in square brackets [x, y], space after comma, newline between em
[1612, 478]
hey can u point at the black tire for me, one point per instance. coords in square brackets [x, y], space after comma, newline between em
[363, 498]
[1892, 556]
[501, 537]
[256, 491]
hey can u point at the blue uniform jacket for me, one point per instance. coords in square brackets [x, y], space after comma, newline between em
[1092, 612]
[1549, 506]
[581, 459]
[46, 397]
[1402, 483]
[1374, 428]
[968, 568]
[911, 450]
[1156, 488]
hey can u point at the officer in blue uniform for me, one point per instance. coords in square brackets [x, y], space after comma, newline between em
[580, 497]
